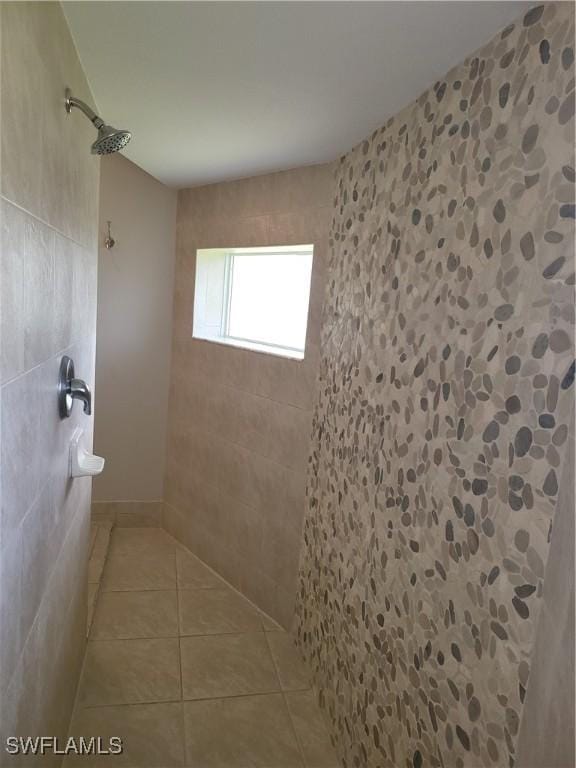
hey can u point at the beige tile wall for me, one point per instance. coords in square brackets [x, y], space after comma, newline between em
[239, 421]
[49, 200]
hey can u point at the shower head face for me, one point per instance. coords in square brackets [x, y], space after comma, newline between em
[110, 140]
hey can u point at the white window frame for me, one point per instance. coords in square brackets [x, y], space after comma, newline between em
[224, 336]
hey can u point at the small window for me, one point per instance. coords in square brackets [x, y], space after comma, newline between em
[255, 298]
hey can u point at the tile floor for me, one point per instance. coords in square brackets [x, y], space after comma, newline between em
[189, 673]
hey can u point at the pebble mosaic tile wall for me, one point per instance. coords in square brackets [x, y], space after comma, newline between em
[444, 408]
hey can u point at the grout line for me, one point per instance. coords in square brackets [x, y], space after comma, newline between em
[91, 548]
[182, 718]
[92, 248]
[53, 355]
[259, 630]
[95, 640]
[176, 511]
[98, 583]
[72, 522]
[233, 633]
[183, 701]
[285, 403]
[296, 470]
[142, 589]
[153, 589]
[97, 502]
[220, 577]
[272, 691]
[85, 639]
[285, 700]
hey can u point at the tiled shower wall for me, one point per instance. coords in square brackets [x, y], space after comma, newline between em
[49, 188]
[239, 421]
[444, 409]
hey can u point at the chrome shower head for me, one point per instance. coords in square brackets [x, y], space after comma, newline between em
[109, 139]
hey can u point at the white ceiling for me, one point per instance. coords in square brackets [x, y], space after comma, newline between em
[221, 90]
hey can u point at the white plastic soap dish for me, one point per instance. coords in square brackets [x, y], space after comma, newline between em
[82, 463]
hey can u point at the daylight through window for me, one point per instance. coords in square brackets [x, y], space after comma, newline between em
[255, 298]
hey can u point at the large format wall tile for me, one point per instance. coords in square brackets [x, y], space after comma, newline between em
[46, 297]
[43, 682]
[239, 421]
[47, 168]
[12, 318]
[443, 411]
[48, 262]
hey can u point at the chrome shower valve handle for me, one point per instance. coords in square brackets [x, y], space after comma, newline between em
[71, 388]
[79, 390]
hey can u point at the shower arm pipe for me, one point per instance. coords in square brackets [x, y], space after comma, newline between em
[72, 101]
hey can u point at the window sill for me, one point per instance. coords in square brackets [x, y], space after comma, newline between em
[252, 346]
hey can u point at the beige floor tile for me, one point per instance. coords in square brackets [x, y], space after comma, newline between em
[193, 574]
[311, 730]
[142, 541]
[291, 670]
[244, 732]
[235, 715]
[130, 672]
[226, 665]
[135, 614]
[127, 571]
[216, 611]
[152, 735]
